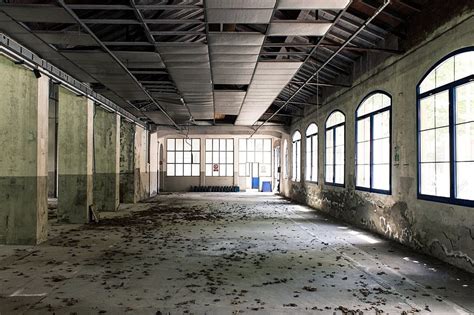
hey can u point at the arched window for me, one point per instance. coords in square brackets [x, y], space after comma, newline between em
[285, 159]
[312, 153]
[373, 143]
[296, 175]
[446, 130]
[335, 147]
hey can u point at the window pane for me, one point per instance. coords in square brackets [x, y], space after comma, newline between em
[208, 157]
[230, 157]
[441, 109]
[222, 156]
[329, 173]
[215, 144]
[442, 144]
[427, 118]
[363, 153]
[179, 145]
[187, 169]
[382, 151]
[215, 157]
[258, 144]
[442, 179]
[465, 180]
[222, 144]
[230, 145]
[170, 157]
[339, 155]
[242, 145]
[196, 145]
[465, 142]
[208, 144]
[428, 179]
[363, 176]
[242, 157]
[329, 156]
[381, 177]
[187, 157]
[382, 125]
[315, 159]
[170, 144]
[329, 138]
[428, 83]
[435, 179]
[464, 64]
[170, 170]
[363, 129]
[242, 170]
[259, 157]
[340, 135]
[267, 145]
[195, 169]
[187, 145]
[251, 145]
[230, 170]
[339, 178]
[445, 72]
[179, 157]
[179, 170]
[267, 157]
[251, 156]
[465, 103]
[208, 169]
[427, 146]
[196, 157]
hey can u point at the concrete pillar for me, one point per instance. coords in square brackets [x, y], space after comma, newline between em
[23, 162]
[75, 154]
[127, 162]
[52, 145]
[153, 164]
[142, 179]
[106, 160]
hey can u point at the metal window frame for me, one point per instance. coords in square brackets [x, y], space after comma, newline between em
[371, 141]
[212, 150]
[296, 147]
[451, 87]
[343, 124]
[312, 136]
[183, 163]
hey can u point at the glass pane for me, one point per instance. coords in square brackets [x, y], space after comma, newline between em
[442, 179]
[465, 103]
[250, 144]
[242, 169]
[329, 138]
[381, 177]
[230, 145]
[382, 151]
[208, 144]
[208, 169]
[258, 144]
[222, 144]
[187, 170]
[179, 157]
[363, 176]
[170, 169]
[179, 170]
[442, 144]
[465, 180]
[363, 153]
[441, 109]
[222, 157]
[170, 144]
[179, 145]
[242, 145]
[215, 144]
[259, 157]
[215, 157]
[339, 155]
[465, 142]
[267, 157]
[363, 129]
[464, 64]
[428, 179]
[230, 170]
[251, 156]
[428, 83]
[196, 157]
[196, 145]
[335, 119]
[187, 145]
[195, 169]
[339, 174]
[340, 135]
[242, 157]
[427, 146]
[267, 145]
[170, 157]
[329, 156]
[187, 157]
[445, 72]
[382, 125]
[208, 157]
[427, 118]
[329, 173]
[230, 157]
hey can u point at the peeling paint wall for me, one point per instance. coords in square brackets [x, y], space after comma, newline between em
[441, 230]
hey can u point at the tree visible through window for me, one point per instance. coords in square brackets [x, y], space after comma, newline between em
[335, 148]
[446, 131]
[373, 144]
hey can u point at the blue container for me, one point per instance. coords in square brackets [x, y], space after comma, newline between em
[266, 187]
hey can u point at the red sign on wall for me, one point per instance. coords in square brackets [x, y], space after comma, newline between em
[215, 167]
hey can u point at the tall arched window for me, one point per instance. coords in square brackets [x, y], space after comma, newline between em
[296, 175]
[335, 147]
[373, 143]
[446, 130]
[285, 159]
[312, 153]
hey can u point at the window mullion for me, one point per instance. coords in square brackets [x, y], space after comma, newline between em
[334, 156]
[371, 144]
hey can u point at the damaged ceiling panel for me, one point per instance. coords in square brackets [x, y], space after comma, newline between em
[269, 79]
[239, 11]
[298, 29]
[228, 102]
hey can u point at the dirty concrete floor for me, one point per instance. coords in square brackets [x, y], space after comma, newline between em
[218, 253]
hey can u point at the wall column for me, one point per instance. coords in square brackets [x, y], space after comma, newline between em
[106, 160]
[75, 156]
[23, 162]
[127, 162]
[153, 164]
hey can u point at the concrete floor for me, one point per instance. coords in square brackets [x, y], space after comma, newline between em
[214, 253]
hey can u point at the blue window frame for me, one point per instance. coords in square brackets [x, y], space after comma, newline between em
[373, 143]
[445, 111]
[296, 173]
[335, 149]
[311, 169]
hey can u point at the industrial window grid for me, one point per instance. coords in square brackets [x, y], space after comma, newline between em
[219, 157]
[335, 149]
[445, 111]
[311, 169]
[255, 151]
[373, 143]
[183, 157]
[296, 148]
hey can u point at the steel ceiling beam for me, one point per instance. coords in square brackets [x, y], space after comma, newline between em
[117, 60]
[347, 42]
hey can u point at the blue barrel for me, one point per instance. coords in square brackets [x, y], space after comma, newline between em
[266, 187]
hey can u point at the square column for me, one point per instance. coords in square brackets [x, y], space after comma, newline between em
[23, 162]
[75, 156]
[127, 162]
[106, 160]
